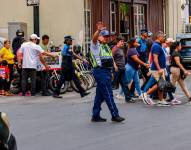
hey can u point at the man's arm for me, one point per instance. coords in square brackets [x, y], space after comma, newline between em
[100, 27]
[43, 61]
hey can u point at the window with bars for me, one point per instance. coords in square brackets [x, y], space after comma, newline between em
[112, 16]
[87, 19]
[139, 19]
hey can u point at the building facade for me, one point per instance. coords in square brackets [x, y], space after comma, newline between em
[57, 18]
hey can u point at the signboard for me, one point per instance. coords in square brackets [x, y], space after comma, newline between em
[33, 2]
[54, 63]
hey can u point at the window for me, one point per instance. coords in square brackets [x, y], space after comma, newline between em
[124, 20]
[87, 16]
[139, 19]
[112, 16]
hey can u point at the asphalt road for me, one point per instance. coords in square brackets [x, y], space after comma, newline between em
[44, 123]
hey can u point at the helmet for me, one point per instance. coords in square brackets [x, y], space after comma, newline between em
[20, 32]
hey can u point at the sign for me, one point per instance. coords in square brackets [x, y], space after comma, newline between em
[33, 2]
[53, 63]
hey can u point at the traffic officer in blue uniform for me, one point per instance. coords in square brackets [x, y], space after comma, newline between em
[67, 69]
[103, 65]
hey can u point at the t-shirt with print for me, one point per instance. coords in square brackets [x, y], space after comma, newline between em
[4, 72]
[130, 61]
[157, 49]
[173, 62]
[31, 53]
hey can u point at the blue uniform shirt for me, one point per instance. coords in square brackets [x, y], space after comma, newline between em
[157, 49]
[66, 50]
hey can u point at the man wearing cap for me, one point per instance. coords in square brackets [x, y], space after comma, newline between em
[31, 54]
[142, 50]
[103, 64]
[113, 41]
[67, 69]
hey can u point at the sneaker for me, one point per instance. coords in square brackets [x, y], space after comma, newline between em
[150, 101]
[99, 119]
[117, 119]
[163, 103]
[130, 101]
[145, 99]
[176, 102]
[84, 94]
[120, 96]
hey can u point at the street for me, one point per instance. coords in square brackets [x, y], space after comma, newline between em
[44, 123]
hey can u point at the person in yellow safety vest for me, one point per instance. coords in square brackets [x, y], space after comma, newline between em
[103, 65]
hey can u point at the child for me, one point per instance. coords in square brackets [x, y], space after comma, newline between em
[4, 77]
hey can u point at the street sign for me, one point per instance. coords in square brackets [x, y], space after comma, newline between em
[33, 2]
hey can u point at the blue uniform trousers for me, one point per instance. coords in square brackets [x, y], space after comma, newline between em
[103, 92]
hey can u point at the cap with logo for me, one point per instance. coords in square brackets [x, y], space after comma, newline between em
[104, 33]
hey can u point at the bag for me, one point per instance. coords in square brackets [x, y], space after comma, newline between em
[169, 87]
[161, 84]
[182, 74]
[166, 86]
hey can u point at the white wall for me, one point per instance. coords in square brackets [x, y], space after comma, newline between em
[57, 17]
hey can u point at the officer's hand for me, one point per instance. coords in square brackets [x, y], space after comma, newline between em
[100, 26]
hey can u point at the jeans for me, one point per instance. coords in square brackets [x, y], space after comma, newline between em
[149, 84]
[119, 78]
[132, 74]
[26, 73]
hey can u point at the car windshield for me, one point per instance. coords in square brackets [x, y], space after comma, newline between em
[186, 42]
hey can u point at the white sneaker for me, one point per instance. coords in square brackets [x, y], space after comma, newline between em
[145, 99]
[163, 103]
[150, 101]
[120, 97]
[176, 102]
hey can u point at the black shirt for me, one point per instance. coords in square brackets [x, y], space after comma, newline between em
[119, 57]
[173, 62]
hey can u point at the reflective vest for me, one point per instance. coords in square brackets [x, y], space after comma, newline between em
[105, 57]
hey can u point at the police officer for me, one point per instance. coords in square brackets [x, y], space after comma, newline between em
[67, 69]
[103, 64]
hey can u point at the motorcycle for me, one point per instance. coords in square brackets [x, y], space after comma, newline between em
[7, 139]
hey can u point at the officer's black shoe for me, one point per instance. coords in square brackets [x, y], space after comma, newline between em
[100, 119]
[46, 94]
[56, 96]
[117, 119]
[85, 94]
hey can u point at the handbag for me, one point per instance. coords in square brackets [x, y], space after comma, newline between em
[182, 74]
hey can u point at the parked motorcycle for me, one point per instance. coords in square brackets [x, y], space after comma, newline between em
[7, 139]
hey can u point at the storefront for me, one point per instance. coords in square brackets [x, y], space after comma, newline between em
[126, 17]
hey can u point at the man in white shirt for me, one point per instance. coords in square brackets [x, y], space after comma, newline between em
[31, 53]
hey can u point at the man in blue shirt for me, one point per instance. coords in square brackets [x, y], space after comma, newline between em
[67, 69]
[157, 67]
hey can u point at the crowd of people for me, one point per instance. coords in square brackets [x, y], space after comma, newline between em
[150, 64]
[137, 64]
[150, 58]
